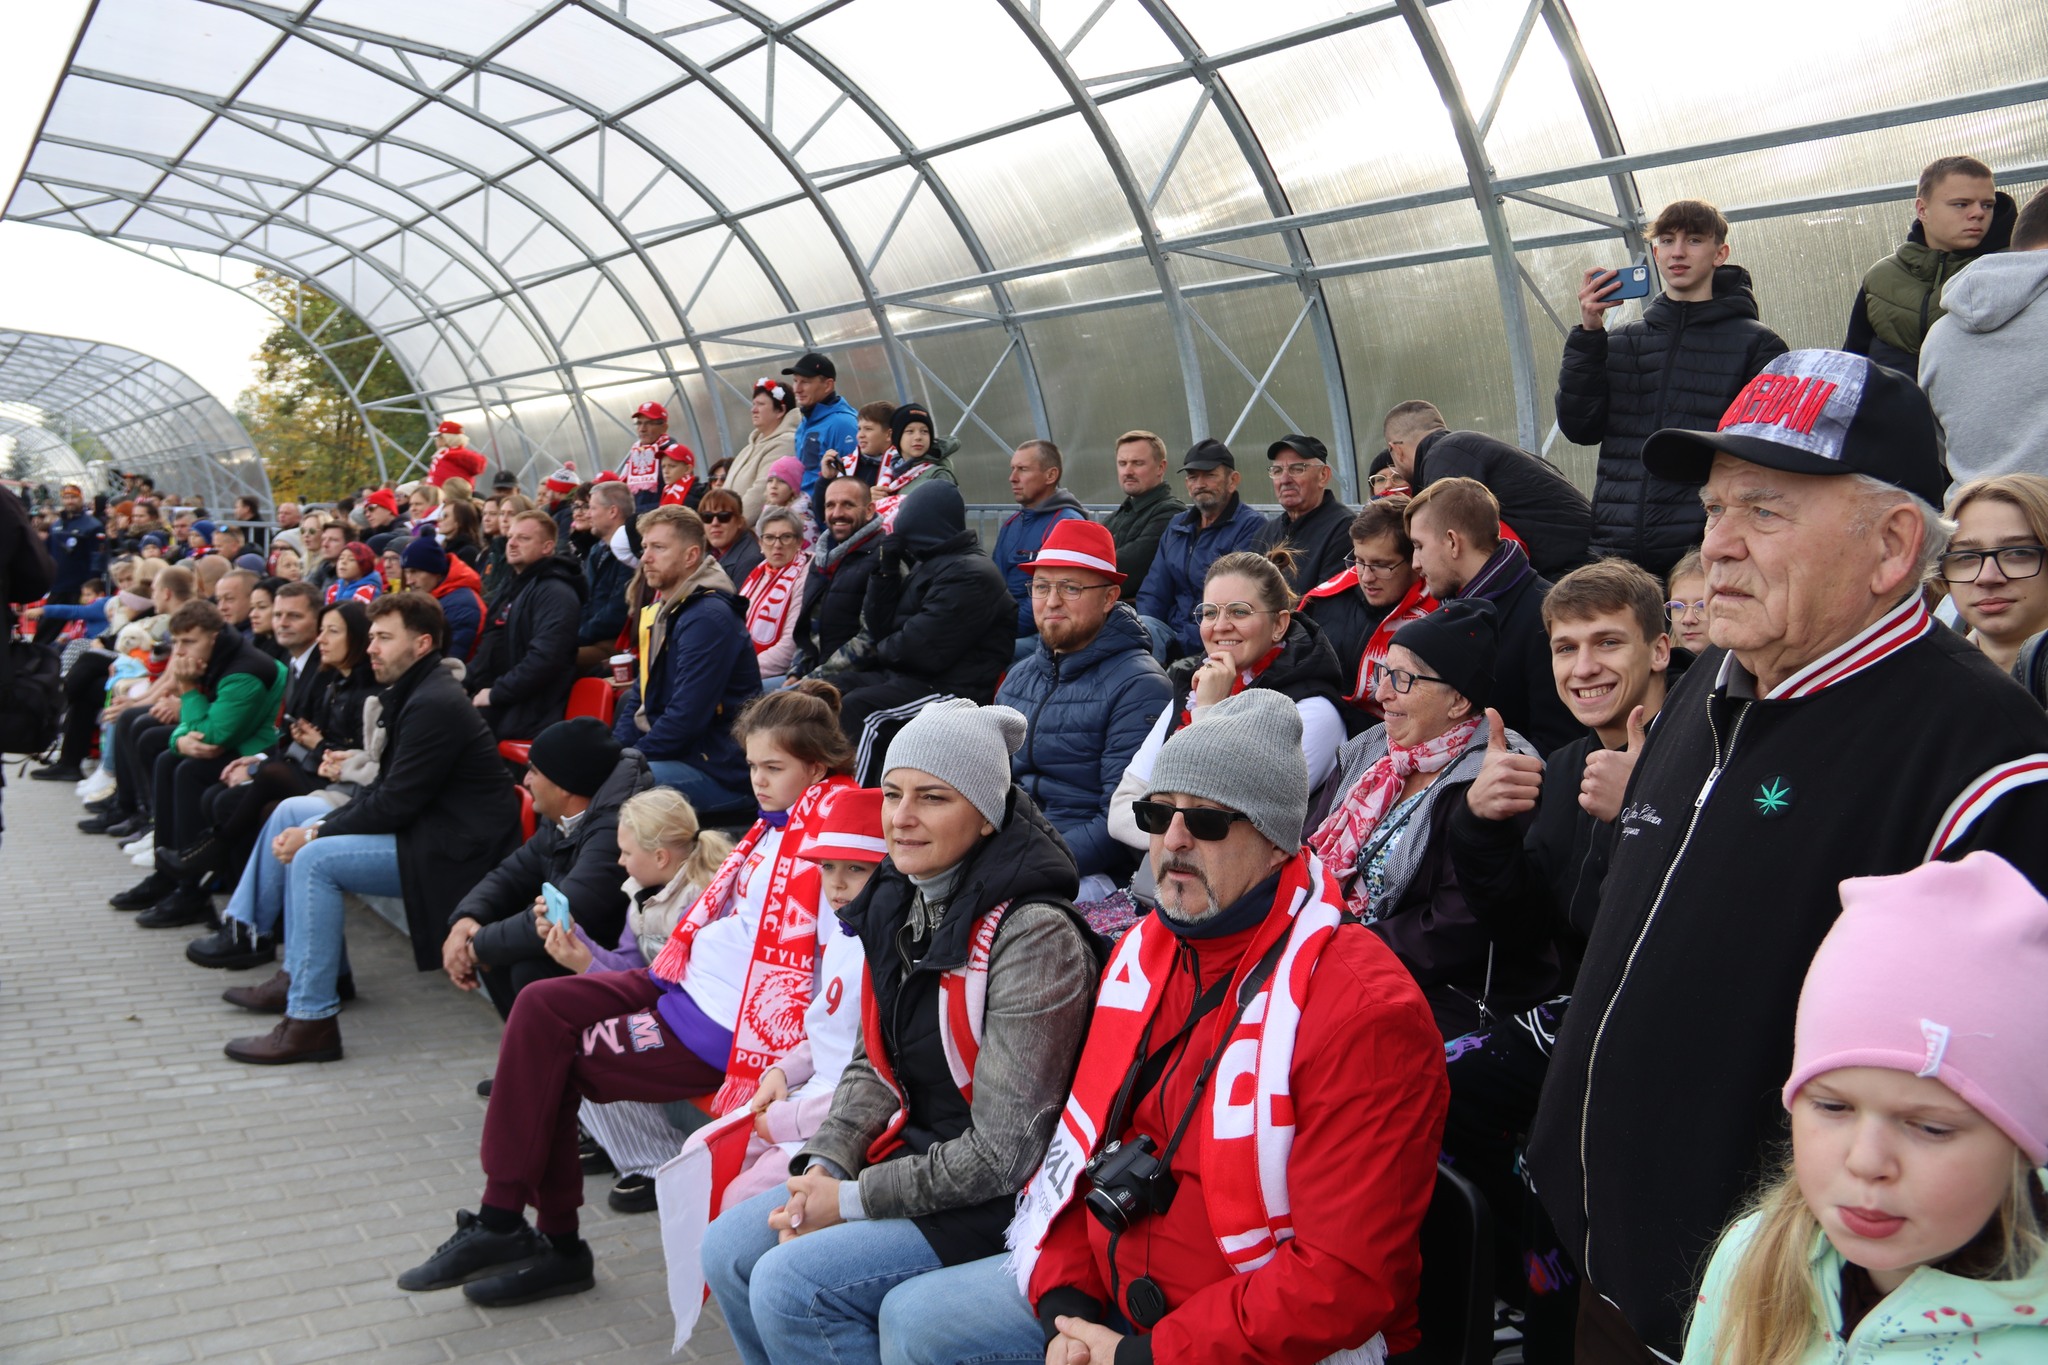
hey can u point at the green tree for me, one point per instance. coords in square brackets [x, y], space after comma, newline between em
[312, 439]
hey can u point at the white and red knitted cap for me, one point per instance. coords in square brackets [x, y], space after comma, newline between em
[563, 480]
[847, 827]
[1077, 543]
[1937, 972]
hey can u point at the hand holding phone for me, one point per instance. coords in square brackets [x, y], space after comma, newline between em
[1605, 289]
[558, 905]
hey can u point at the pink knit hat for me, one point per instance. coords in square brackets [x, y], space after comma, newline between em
[789, 469]
[1938, 972]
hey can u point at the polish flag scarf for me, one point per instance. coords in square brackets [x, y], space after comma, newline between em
[692, 1187]
[779, 980]
[1249, 1104]
[641, 469]
[770, 593]
[1338, 839]
[963, 996]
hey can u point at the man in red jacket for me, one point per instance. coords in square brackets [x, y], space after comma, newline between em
[1253, 1053]
[452, 456]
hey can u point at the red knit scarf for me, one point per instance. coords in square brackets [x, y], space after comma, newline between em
[677, 494]
[779, 980]
[1378, 791]
[770, 593]
[1413, 606]
[963, 995]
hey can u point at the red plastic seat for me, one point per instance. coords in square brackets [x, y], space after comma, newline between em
[593, 697]
[527, 823]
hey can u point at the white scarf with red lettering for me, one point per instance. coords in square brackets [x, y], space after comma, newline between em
[963, 996]
[778, 986]
[770, 593]
[894, 482]
[1250, 1104]
[1377, 791]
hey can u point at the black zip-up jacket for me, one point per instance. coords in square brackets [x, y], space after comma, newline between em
[1680, 365]
[1320, 539]
[526, 654]
[1305, 667]
[1660, 1112]
[833, 592]
[1537, 501]
[948, 618]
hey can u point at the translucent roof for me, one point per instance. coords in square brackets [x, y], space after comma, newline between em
[1043, 217]
[151, 418]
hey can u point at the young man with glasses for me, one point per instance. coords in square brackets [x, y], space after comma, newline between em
[1377, 592]
[1091, 690]
[1993, 565]
[1312, 521]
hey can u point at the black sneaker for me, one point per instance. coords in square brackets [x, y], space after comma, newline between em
[596, 1161]
[197, 859]
[58, 772]
[132, 827]
[184, 906]
[144, 893]
[633, 1194]
[475, 1251]
[103, 821]
[103, 805]
[483, 1087]
[556, 1273]
[236, 946]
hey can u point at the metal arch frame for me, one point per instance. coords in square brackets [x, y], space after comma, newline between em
[147, 412]
[52, 453]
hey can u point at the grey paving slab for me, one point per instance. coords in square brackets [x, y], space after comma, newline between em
[161, 1203]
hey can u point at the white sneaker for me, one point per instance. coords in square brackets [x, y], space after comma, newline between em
[146, 858]
[143, 844]
[99, 784]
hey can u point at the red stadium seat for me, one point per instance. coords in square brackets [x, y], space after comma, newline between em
[593, 697]
[526, 818]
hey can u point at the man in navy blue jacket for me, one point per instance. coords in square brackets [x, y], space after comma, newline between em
[698, 672]
[1216, 525]
[1042, 504]
[75, 539]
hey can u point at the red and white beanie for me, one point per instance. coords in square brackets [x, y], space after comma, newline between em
[563, 480]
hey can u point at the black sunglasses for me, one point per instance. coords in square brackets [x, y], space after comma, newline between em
[719, 518]
[1204, 822]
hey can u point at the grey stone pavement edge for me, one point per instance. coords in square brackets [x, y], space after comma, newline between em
[161, 1203]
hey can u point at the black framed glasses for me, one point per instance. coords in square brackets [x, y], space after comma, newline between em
[719, 518]
[1205, 823]
[1374, 567]
[2014, 561]
[1400, 679]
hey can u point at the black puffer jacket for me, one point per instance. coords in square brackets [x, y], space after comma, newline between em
[943, 613]
[1679, 366]
[833, 592]
[1306, 667]
[1552, 518]
[526, 654]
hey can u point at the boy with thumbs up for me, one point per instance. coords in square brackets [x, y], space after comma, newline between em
[1612, 662]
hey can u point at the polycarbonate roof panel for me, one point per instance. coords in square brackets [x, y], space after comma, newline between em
[1009, 209]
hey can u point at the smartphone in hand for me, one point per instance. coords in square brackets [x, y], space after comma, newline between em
[557, 904]
[1635, 283]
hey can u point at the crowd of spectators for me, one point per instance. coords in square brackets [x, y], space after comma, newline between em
[1491, 824]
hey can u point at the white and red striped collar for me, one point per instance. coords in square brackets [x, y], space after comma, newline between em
[1891, 632]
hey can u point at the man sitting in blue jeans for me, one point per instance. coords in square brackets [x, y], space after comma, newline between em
[439, 814]
[698, 672]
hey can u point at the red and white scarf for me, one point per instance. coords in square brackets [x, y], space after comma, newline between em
[894, 482]
[1413, 606]
[641, 469]
[779, 980]
[1338, 839]
[1250, 1110]
[963, 995]
[1245, 678]
[677, 494]
[692, 1187]
[770, 592]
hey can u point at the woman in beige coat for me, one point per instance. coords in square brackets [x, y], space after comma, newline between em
[775, 418]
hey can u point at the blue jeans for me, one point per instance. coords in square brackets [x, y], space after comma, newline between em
[962, 1315]
[259, 896]
[700, 788]
[314, 947]
[817, 1297]
[1164, 643]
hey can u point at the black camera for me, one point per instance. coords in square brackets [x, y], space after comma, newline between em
[1130, 1181]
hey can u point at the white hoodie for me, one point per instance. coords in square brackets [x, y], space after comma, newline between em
[1983, 366]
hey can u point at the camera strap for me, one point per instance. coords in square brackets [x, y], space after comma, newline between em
[1253, 984]
[1145, 1074]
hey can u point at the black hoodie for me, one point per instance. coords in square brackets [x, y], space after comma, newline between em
[1680, 365]
[1306, 667]
[937, 606]
[526, 653]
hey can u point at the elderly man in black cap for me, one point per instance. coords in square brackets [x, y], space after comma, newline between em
[1217, 524]
[1312, 521]
[829, 424]
[1777, 768]
[578, 777]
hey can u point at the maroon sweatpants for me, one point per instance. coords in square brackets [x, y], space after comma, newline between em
[597, 1036]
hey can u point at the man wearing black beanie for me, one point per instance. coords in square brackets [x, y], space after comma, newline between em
[578, 777]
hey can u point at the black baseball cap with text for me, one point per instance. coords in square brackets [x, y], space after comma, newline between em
[811, 365]
[1818, 412]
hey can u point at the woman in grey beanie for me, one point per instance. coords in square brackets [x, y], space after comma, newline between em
[981, 979]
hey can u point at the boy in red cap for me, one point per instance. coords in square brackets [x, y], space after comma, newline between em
[642, 467]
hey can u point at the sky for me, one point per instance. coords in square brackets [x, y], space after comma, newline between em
[72, 285]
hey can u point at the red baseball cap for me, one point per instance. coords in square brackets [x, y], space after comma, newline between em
[653, 412]
[1077, 544]
[448, 429]
[384, 498]
[608, 476]
[846, 827]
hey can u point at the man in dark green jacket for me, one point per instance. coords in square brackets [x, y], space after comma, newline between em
[1148, 505]
[1958, 215]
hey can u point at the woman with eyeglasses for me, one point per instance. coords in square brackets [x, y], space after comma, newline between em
[1399, 786]
[1686, 591]
[774, 415]
[1250, 638]
[775, 593]
[1993, 565]
[733, 543]
[1377, 593]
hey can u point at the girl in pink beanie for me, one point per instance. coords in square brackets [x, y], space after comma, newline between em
[1908, 1225]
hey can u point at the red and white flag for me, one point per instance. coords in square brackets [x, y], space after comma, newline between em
[691, 1190]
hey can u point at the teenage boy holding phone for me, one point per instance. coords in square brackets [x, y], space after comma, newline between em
[1679, 365]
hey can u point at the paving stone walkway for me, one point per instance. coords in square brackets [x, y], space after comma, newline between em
[161, 1203]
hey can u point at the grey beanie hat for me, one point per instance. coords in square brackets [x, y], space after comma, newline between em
[1245, 753]
[968, 747]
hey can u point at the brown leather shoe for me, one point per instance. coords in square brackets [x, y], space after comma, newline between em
[293, 1040]
[267, 998]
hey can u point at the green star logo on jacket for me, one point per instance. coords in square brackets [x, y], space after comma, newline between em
[1773, 798]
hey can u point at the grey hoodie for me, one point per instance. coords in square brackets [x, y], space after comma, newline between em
[1982, 366]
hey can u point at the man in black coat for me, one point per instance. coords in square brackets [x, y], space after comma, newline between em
[1455, 524]
[525, 659]
[75, 540]
[1312, 521]
[438, 816]
[938, 621]
[579, 777]
[1537, 502]
[1680, 365]
[838, 581]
